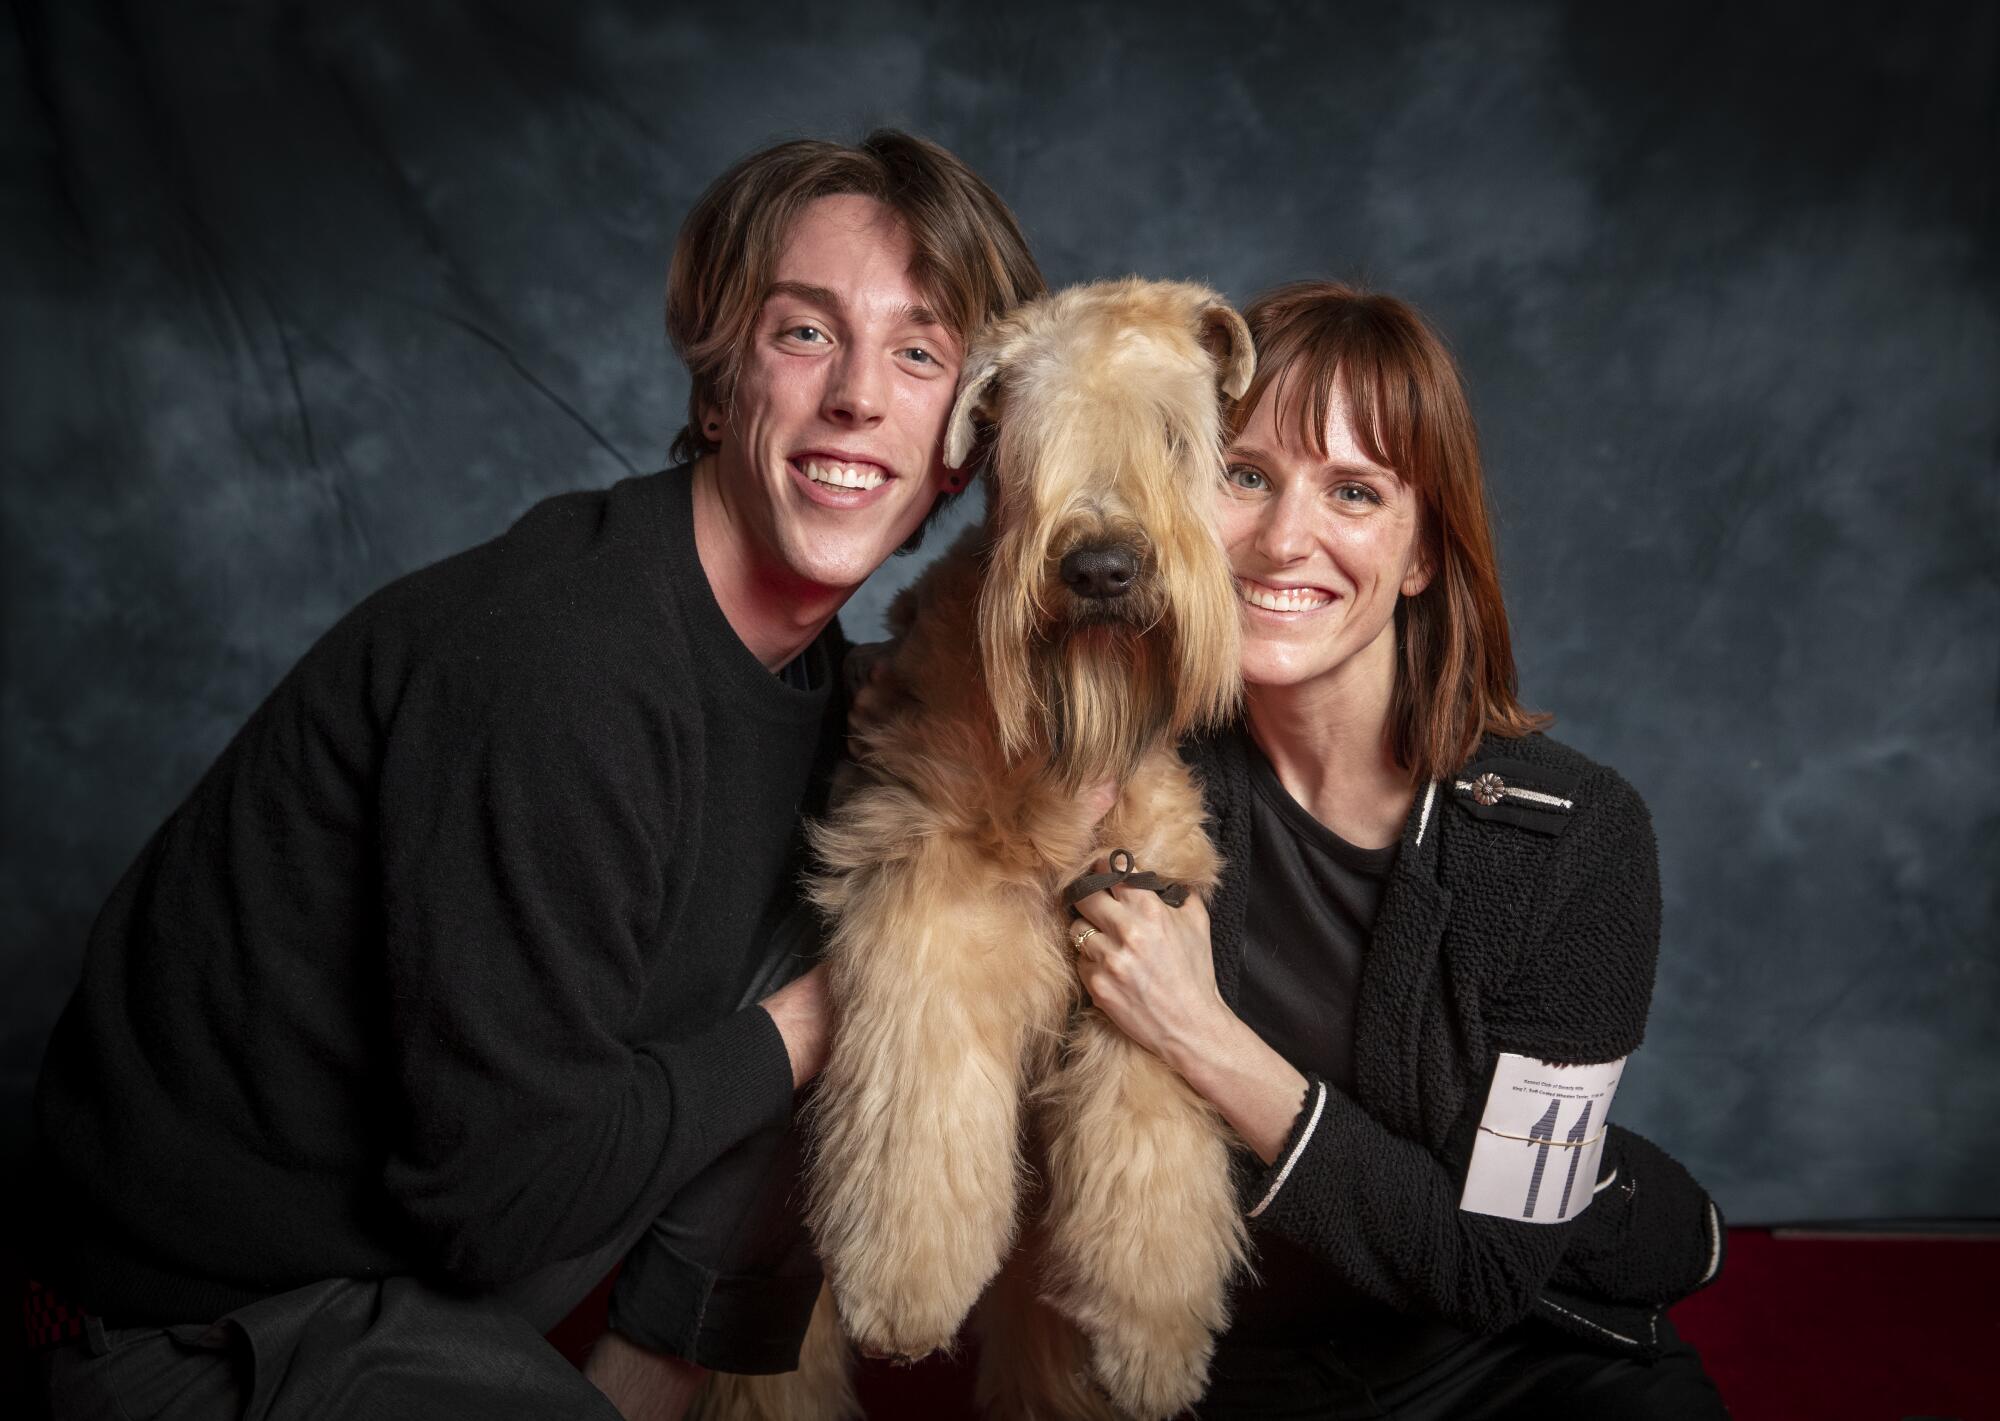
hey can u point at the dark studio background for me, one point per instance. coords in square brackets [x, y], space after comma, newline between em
[299, 298]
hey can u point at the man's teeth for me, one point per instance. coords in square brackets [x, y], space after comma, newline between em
[844, 475]
[1282, 599]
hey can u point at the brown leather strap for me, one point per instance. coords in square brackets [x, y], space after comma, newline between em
[1124, 872]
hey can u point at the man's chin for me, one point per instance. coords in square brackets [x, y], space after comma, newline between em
[842, 564]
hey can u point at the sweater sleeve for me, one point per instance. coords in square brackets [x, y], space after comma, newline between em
[525, 823]
[726, 1276]
[1383, 1210]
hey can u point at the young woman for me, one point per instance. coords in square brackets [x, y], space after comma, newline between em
[1423, 894]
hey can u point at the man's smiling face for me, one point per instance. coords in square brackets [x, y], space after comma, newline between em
[829, 451]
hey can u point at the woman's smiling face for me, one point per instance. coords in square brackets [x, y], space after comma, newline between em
[1321, 546]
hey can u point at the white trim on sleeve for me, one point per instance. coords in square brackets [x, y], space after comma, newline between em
[1714, 1244]
[1319, 1104]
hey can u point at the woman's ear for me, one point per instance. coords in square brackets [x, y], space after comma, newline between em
[1423, 564]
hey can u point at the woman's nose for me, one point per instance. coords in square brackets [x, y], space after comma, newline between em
[1284, 531]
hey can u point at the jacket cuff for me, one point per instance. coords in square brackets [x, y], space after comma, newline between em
[745, 1323]
[729, 1081]
[1264, 1185]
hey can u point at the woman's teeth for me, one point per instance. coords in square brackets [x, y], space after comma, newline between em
[844, 475]
[1281, 599]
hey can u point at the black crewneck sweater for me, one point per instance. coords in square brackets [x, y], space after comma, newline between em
[435, 971]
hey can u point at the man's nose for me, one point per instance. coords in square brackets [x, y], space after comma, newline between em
[858, 390]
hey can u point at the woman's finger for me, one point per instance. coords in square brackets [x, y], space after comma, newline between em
[1103, 910]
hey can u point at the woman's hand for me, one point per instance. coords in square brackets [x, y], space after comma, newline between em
[1150, 969]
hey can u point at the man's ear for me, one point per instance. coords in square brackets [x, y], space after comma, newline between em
[978, 400]
[1226, 338]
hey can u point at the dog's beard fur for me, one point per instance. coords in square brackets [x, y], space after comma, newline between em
[1108, 699]
[1092, 690]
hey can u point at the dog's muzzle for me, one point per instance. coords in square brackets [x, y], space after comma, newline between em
[1100, 572]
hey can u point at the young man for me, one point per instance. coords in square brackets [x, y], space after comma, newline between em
[410, 1020]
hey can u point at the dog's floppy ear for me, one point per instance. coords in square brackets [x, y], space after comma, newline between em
[1227, 340]
[978, 396]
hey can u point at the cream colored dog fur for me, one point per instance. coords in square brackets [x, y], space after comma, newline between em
[961, 1026]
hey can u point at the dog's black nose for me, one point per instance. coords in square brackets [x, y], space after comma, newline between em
[1100, 572]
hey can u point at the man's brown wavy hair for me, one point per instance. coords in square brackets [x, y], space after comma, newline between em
[971, 261]
[1318, 341]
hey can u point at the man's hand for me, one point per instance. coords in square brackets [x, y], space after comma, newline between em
[804, 1018]
[643, 1385]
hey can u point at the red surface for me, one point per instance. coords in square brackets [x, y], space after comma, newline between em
[1796, 1329]
[1830, 1328]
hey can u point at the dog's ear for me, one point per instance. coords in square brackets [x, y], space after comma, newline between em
[978, 397]
[1227, 340]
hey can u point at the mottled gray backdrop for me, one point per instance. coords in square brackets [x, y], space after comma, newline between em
[298, 298]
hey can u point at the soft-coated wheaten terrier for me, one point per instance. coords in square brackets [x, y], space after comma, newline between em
[1072, 639]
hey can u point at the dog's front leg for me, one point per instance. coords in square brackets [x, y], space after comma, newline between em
[1144, 1229]
[944, 981]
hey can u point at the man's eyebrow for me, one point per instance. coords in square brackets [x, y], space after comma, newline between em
[804, 291]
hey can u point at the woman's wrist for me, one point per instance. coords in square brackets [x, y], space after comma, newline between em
[1211, 1039]
[1254, 1088]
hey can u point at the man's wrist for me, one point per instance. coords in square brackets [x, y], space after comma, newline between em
[799, 1011]
[644, 1385]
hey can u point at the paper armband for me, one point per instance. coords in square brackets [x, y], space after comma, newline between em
[1540, 1138]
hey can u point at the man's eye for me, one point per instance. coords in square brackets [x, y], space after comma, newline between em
[1245, 477]
[921, 356]
[811, 334]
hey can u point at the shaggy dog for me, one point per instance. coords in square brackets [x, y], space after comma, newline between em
[1071, 640]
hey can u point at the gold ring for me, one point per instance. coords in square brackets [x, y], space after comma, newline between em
[1081, 938]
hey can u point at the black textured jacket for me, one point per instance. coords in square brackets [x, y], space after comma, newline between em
[1528, 925]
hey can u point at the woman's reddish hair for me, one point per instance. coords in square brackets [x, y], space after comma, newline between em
[1322, 341]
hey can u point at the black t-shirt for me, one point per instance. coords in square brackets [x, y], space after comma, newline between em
[1311, 910]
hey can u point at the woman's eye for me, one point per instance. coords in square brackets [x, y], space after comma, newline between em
[1355, 494]
[1245, 477]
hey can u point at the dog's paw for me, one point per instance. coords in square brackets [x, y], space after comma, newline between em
[1152, 1378]
[901, 1329]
